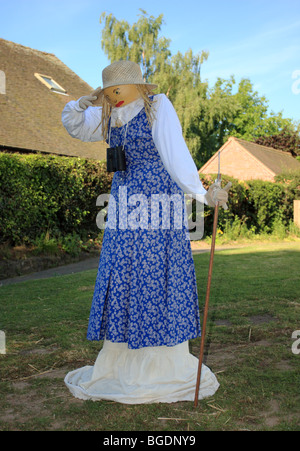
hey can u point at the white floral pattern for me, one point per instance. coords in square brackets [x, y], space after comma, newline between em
[145, 292]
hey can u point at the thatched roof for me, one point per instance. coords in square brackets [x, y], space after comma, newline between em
[30, 112]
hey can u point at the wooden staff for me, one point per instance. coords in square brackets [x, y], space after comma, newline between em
[212, 252]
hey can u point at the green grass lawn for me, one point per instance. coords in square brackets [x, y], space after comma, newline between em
[254, 309]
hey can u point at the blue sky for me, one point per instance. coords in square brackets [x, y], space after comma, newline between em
[256, 39]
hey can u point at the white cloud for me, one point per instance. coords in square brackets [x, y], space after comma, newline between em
[249, 65]
[272, 49]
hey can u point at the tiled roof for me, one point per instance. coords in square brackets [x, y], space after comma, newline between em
[274, 159]
[30, 113]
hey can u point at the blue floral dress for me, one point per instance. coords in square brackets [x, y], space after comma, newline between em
[145, 292]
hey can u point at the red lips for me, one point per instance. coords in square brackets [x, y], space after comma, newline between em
[120, 103]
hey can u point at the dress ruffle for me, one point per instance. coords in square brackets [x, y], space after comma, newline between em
[139, 376]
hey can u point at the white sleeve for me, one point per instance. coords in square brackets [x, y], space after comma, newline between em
[82, 124]
[176, 157]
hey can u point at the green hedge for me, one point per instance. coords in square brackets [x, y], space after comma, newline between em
[43, 193]
[40, 193]
[258, 204]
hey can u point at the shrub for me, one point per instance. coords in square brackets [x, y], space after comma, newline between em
[256, 205]
[40, 193]
[44, 198]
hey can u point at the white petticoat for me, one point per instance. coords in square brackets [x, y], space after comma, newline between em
[140, 376]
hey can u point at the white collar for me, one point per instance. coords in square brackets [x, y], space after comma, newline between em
[124, 114]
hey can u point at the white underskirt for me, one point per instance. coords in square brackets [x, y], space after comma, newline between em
[140, 376]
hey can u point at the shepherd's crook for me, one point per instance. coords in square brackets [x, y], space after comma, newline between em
[213, 241]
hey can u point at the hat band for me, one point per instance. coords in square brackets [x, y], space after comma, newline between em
[126, 82]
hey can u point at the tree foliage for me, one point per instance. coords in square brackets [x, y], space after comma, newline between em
[209, 115]
[54, 194]
[139, 43]
[288, 141]
[41, 193]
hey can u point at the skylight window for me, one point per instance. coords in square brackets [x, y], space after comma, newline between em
[51, 84]
[2, 82]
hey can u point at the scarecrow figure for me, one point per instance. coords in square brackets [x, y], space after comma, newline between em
[145, 303]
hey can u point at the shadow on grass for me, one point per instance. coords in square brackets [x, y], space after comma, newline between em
[253, 312]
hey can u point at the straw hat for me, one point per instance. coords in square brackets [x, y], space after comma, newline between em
[122, 73]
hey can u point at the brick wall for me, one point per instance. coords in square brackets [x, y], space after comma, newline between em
[238, 163]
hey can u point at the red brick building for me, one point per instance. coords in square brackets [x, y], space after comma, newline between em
[245, 160]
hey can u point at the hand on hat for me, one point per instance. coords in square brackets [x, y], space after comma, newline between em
[86, 101]
[216, 194]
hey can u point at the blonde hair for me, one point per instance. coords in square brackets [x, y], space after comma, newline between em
[145, 92]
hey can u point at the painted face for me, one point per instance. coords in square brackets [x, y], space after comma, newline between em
[121, 95]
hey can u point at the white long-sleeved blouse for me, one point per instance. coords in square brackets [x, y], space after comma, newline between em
[166, 134]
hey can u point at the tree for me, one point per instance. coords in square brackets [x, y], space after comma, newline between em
[252, 119]
[139, 43]
[208, 115]
[180, 80]
[287, 140]
[243, 115]
[177, 76]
